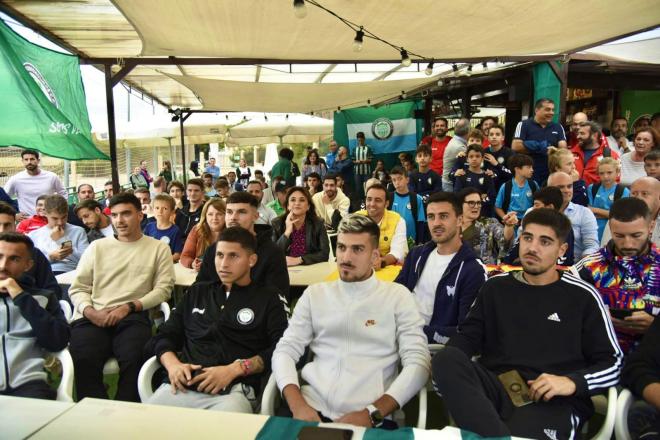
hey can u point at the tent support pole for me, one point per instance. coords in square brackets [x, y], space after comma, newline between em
[561, 72]
[112, 134]
[182, 119]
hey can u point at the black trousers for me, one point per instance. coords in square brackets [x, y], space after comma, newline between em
[478, 403]
[36, 389]
[92, 346]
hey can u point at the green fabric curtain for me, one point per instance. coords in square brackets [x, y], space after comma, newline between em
[42, 100]
[546, 85]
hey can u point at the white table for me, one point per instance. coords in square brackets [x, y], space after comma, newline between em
[20, 417]
[184, 277]
[311, 274]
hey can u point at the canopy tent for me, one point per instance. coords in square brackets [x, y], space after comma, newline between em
[644, 48]
[280, 128]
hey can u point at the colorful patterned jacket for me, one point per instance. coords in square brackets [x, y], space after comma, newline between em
[624, 283]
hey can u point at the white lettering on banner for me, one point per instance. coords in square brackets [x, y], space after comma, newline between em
[61, 127]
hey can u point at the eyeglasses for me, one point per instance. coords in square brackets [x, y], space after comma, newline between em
[473, 204]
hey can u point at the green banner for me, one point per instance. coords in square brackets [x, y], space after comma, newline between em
[43, 101]
[546, 85]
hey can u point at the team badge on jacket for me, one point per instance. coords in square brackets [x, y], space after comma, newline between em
[245, 316]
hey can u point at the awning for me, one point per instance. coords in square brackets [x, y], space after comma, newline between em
[280, 128]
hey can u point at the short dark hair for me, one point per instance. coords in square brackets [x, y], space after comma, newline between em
[221, 183]
[125, 197]
[258, 172]
[315, 175]
[286, 153]
[539, 102]
[243, 197]
[447, 197]
[34, 153]
[236, 234]
[652, 155]
[476, 134]
[7, 209]
[499, 126]
[520, 160]
[16, 237]
[617, 118]
[175, 184]
[398, 170]
[109, 182]
[462, 194]
[629, 209]
[253, 182]
[359, 134]
[378, 186]
[56, 203]
[90, 204]
[550, 195]
[142, 190]
[551, 218]
[440, 118]
[476, 148]
[197, 182]
[83, 185]
[424, 148]
[492, 118]
[206, 175]
[330, 176]
[594, 127]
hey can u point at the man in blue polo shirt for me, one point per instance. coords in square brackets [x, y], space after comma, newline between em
[534, 136]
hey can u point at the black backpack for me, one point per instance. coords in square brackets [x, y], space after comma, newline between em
[618, 191]
[508, 187]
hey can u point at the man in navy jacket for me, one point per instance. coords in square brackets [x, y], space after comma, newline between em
[444, 274]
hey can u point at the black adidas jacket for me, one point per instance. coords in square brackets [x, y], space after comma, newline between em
[208, 328]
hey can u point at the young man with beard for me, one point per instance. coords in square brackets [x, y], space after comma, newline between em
[627, 271]
[270, 269]
[369, 353]
[98, 225]
[589, 151]
[266, 215]
[438, 142]
[331, 204]
[444, 274]
[617, 140]
[544, 334]
[218, 342]
[118, 280]
[85, 192]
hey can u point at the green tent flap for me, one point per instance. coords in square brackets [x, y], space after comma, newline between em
[546, 85]
[43, 100]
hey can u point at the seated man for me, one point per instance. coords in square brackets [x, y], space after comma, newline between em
[35, 221]
[552, 198]
[625, 272]
[331, 204]
[393, 245]
[40, 270]
[90, 213]
[62, 243]
[270, 269]
[535, 328]
[85, 192]
[444, 274]
[266, 215]
[583, 221]
[119, 279]
[225, 332]
[359, 330]
[641, 375]
[31, 321]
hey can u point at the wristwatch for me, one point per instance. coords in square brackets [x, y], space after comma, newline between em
[376, 417]
[131, 307]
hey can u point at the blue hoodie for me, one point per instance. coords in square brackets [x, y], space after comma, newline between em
[456, 291]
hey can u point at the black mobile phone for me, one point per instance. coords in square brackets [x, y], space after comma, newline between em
[622, 313]
[319, 433]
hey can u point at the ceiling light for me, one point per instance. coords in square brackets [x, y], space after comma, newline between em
[359, 39]
[405, 59]
[429, 69]
[299, 8]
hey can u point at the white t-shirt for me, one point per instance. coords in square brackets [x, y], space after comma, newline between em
[427, 284]
[108, 231]
[631, 170]
[27, 188]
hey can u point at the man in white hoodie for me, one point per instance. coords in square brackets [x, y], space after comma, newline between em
[359, 330]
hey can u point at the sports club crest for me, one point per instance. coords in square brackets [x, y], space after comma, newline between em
[382, 128]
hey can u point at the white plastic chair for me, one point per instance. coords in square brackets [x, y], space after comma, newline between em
[111, 365]
[65, 389]
[144, 378]
[271, 398]
[67, 310]
[623, 403]
[606, 405]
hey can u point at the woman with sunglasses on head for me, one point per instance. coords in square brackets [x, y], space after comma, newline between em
[486, 235]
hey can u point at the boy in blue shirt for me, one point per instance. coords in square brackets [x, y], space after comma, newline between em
[164, 228]
[408, 205]
[424, 180]
[516, 194]
[602, 195]
[475, 177]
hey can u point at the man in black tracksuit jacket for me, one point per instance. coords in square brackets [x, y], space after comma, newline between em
[270, 270]
[550, 327]
[222, 333]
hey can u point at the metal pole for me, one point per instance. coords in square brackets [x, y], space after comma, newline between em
[112, 134]
[182, 119]
[129, 170]
[66, 173]
[173, 156]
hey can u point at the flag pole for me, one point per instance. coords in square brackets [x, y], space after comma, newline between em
[112, 134]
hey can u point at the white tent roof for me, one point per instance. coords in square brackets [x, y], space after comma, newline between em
[280, 128]
[259, 32]
[641, 48]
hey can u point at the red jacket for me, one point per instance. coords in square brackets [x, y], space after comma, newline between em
[31, 224]
[589, 171]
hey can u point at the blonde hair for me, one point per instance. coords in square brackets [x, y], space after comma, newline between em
[555, 156]
[204, 233]
[609, 161]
